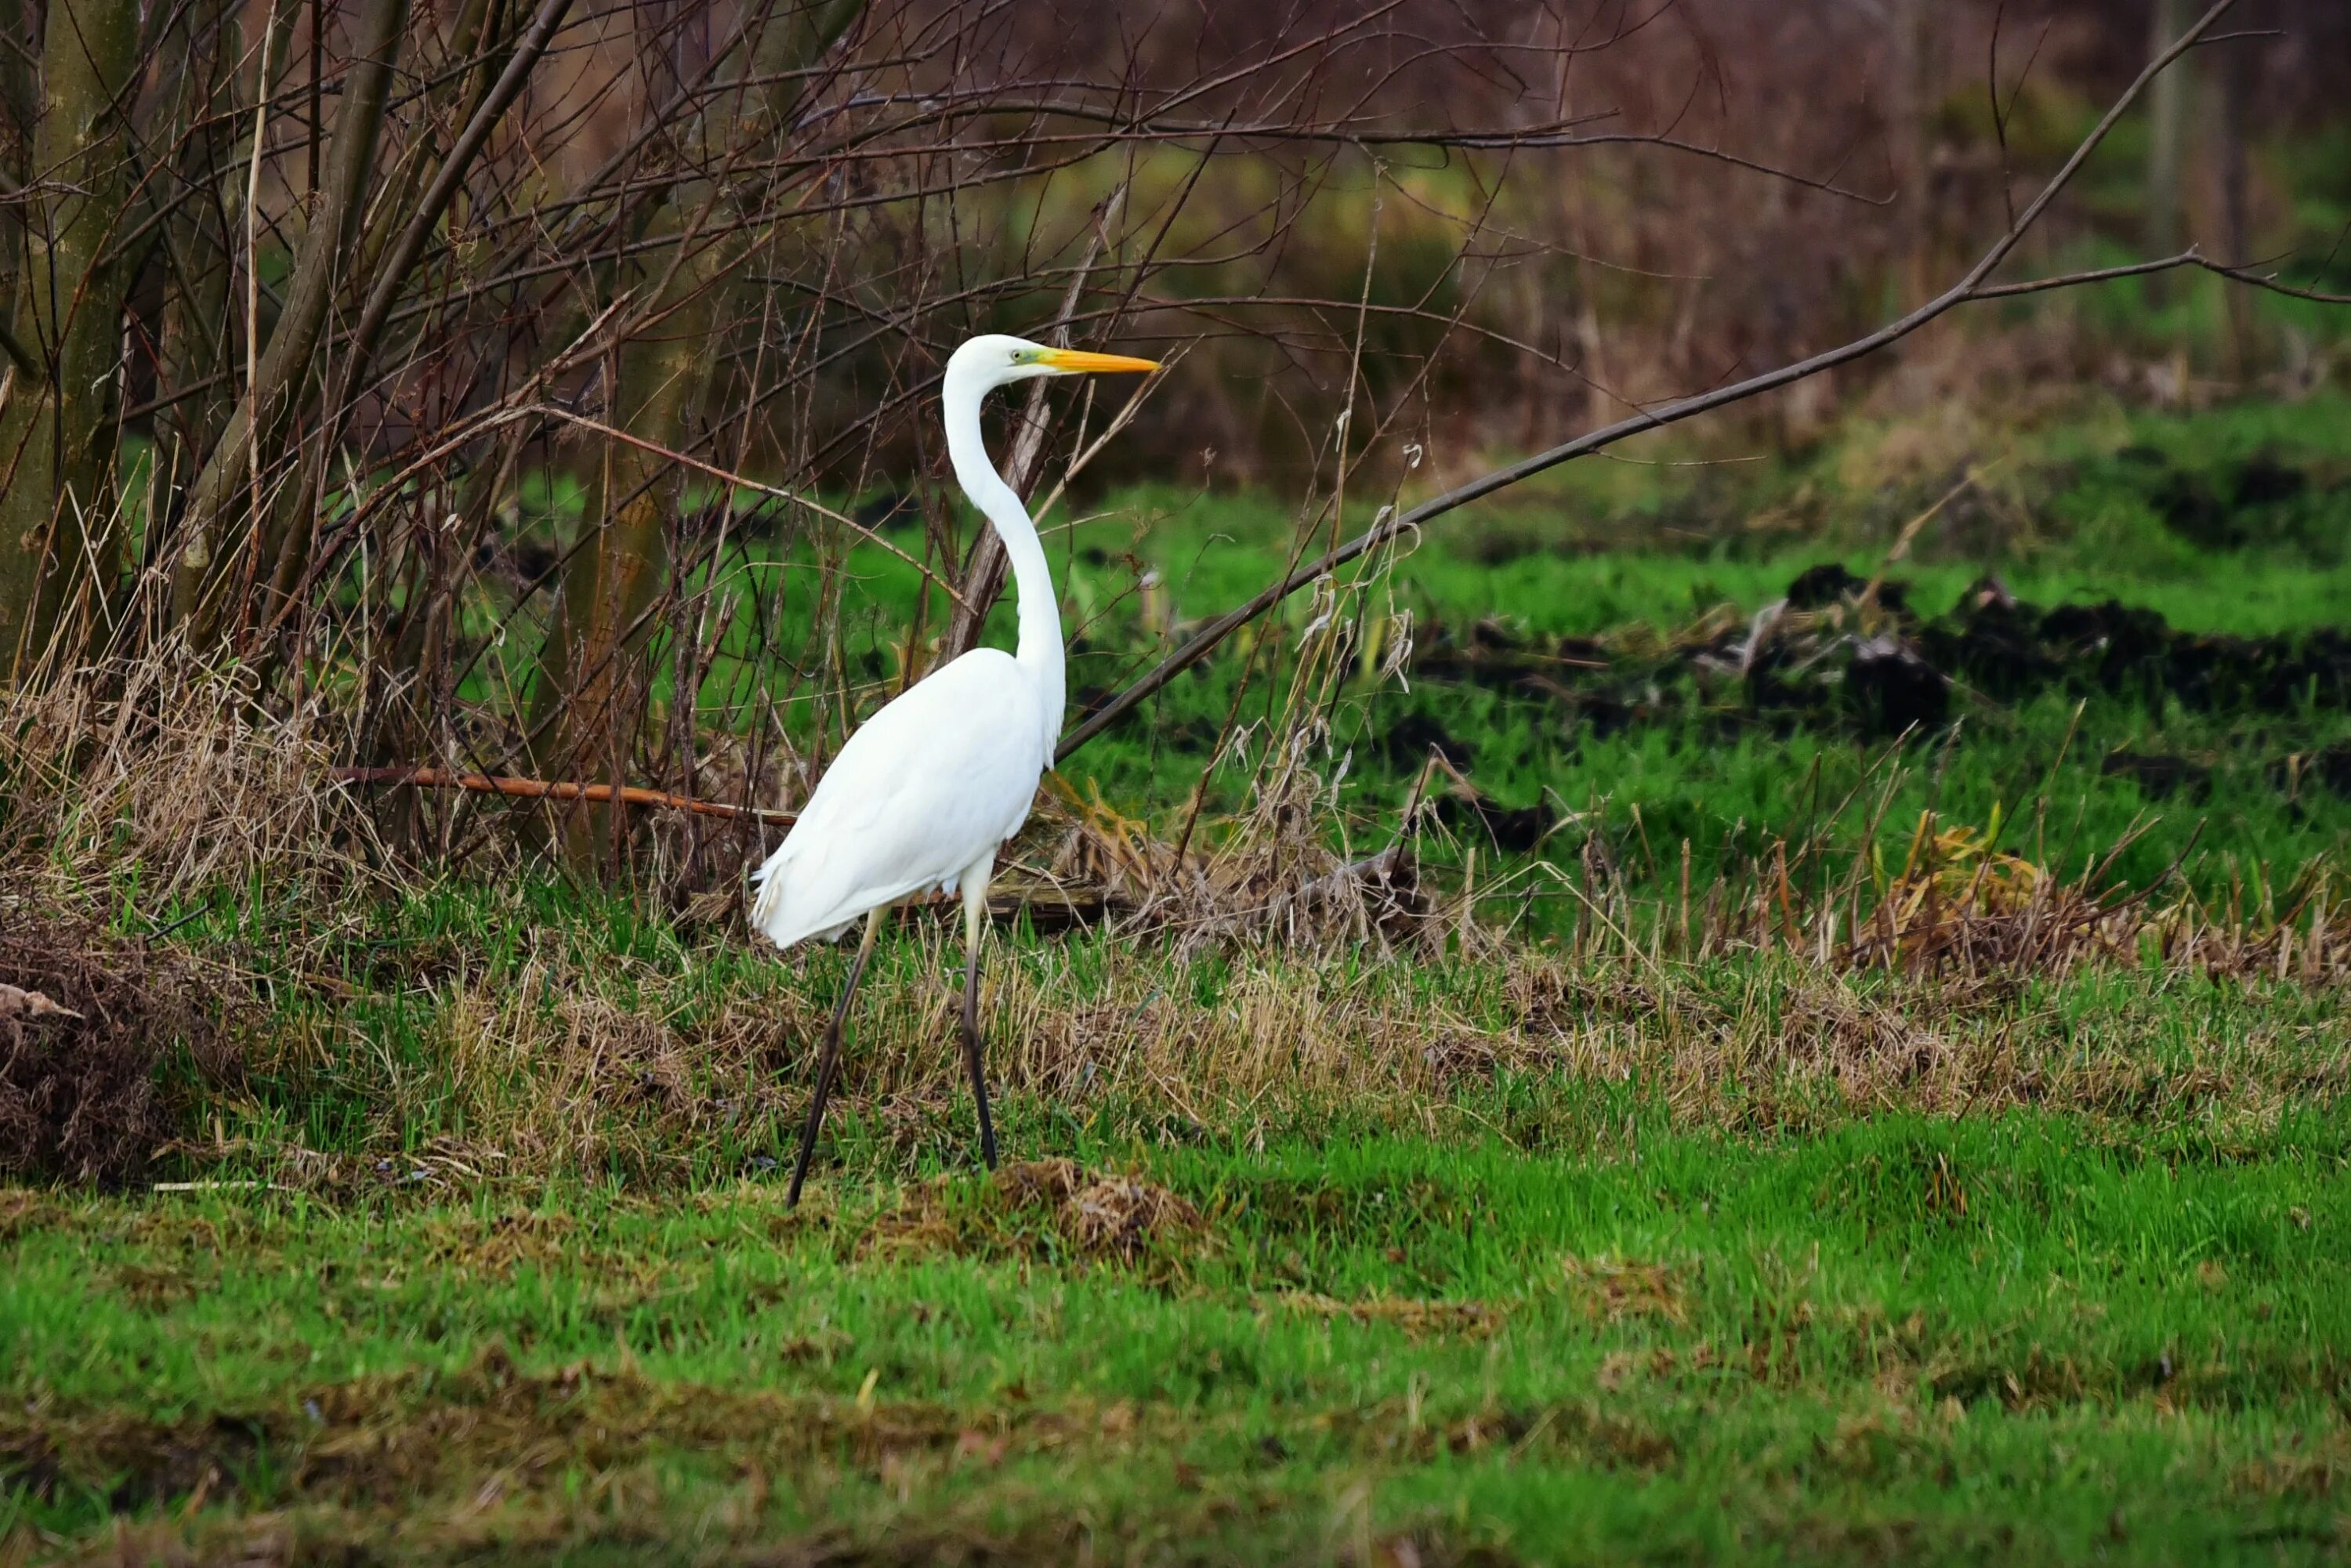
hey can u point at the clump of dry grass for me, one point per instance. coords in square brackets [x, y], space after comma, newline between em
[85, 1021]
[1034, 1208]
[1958, 906]
[1270, 875]
[170, 774]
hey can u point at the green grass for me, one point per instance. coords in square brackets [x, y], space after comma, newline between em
[2014, 1337]
[1735, 1261]
[2070, 510]
[2077, 503]
[1481, 1252]
[2069, 514]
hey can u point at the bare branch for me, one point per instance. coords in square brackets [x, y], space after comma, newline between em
[1969, 287]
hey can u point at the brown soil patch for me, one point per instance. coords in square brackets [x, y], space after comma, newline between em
[1612, 1290]
[470, 1245]
[23, 1212]
[1050, 1209]
[452, 1465]
[1416, 1318]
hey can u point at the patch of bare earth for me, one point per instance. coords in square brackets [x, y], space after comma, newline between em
[1611, 1289]
[1051, 1208]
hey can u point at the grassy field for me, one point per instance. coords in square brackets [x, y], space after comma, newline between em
[441, 1219]
[1899, 1337]
[2231, 525]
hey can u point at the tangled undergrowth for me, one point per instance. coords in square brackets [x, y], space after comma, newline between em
[92, 1028]
[245, 977]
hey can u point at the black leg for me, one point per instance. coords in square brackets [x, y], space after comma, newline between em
[829, 1058]
[971, 1051]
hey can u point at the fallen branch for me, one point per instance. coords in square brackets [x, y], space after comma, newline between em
[1053, 913]
[15, 1002]
[545, 789]
[1974, 286]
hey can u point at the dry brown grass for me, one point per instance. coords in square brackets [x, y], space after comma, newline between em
[1958, 907]
[90, 1021]
[1256, 979]
[1268, 876]
[585, 1064]
[1050, 1208]
[166, 772]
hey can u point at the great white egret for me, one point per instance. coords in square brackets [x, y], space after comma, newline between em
[927, 788]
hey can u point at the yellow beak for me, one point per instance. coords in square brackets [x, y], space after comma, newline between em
[1076, 360]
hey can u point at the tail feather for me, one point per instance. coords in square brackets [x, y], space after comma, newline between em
[768, 901]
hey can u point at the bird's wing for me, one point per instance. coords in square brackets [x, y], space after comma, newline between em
[927, 786]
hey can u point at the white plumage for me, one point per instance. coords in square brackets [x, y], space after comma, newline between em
[929, 789]
[881, 828]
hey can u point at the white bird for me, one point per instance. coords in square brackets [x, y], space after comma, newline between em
[926, 790]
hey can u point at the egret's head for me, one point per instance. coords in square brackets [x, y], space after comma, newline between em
[998, 360]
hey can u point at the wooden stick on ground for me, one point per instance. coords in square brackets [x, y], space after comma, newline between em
[543, 789]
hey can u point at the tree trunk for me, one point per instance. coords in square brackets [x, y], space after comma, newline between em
[209, 579]
[592, 676]
[60, 533]
[2238, 69]
[2167, 142]
[196, 339]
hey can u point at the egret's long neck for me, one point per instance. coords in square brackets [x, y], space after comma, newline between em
[1040, 651]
